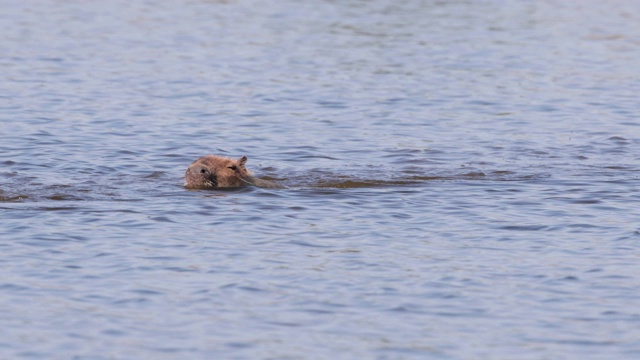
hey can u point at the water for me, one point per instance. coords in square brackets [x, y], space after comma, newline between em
[463, 180]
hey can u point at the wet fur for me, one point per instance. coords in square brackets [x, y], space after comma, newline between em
[211, 171]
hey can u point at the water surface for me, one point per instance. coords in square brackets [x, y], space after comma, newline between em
[462, 176]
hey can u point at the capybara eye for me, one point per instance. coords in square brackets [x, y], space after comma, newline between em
[233, 167]
[203, 171]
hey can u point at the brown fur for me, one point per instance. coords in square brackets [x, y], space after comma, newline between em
[209, 172]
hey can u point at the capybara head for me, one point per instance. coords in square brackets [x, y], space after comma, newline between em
[209, 172]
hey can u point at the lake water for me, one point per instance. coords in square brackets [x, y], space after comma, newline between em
[463, 179]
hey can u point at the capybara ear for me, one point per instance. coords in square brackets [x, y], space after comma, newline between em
[242, 161]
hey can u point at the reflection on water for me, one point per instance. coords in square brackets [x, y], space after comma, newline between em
[461, 179]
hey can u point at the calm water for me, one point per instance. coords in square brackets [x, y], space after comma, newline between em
[463, 180]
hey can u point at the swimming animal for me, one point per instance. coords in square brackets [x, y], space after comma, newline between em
[211, 172]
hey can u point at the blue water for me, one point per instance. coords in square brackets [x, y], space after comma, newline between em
[462, 180]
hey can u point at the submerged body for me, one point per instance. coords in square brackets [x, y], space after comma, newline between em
[211, 171]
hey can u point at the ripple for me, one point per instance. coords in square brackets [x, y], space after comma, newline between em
[444, 174]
